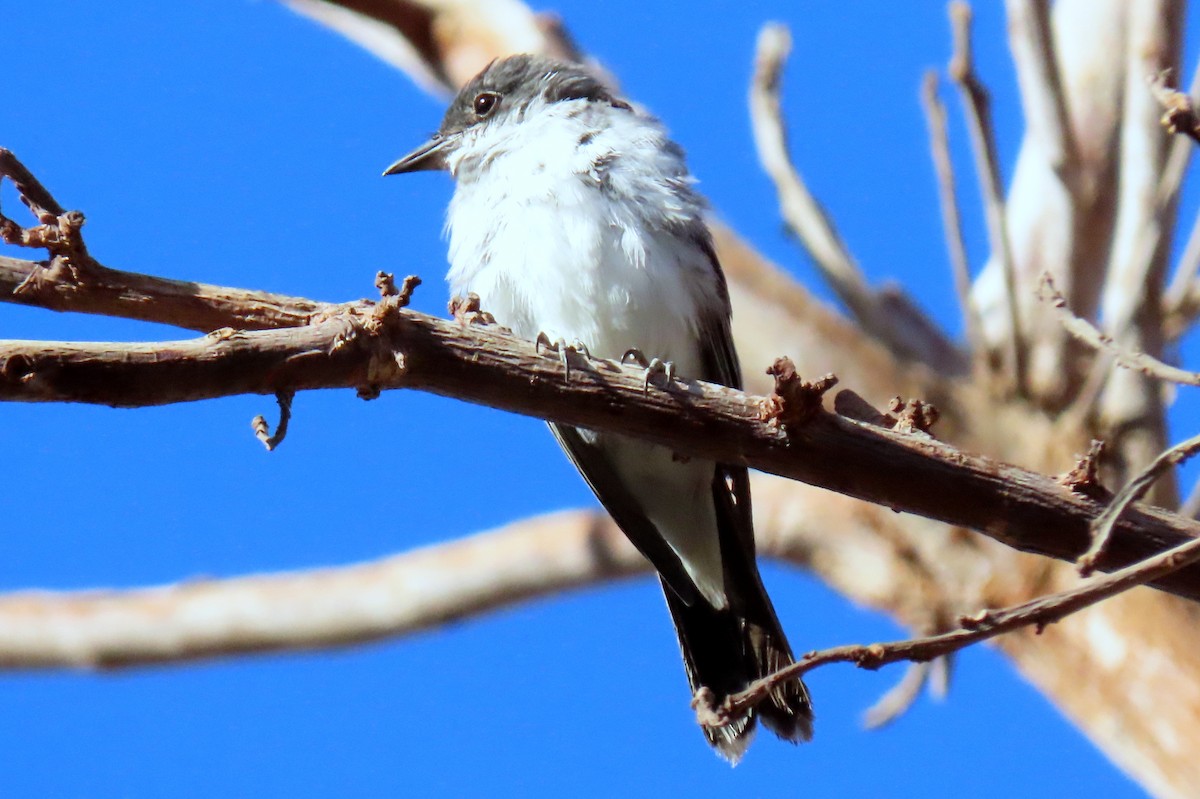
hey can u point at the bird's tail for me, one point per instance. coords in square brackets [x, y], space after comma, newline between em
[725, 650]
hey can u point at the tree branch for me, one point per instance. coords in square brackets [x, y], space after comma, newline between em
[375, 346]
[893, 318]
[401, 594]
[956, 248]
[1042, 611]
[987, 161]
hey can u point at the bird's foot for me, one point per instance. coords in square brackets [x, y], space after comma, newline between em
[653, 366]
[563, 349]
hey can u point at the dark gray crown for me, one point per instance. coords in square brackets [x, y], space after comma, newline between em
[521, 78]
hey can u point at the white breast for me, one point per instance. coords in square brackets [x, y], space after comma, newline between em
[580, 222]
[582, 241]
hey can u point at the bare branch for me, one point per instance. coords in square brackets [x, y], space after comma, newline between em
[1179, 114]
[896, 702]
[1086, 332]
[111, 292]
[939, 146]
[1041, 612]
[1179, 153]
[1031, 40]
[376, 347]
[987, 163]
[898, 323]
[440, 44]
[1102, 525]
[262, 431]
[401, 594]
[1182, 300]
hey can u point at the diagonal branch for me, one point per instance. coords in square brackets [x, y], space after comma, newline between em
[894, 318]
[1041, 612]
[379, 346]
[1031, 39]
[939, 146]
[393, 596]
[987, 161]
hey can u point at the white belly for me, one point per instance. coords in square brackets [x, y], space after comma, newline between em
[571, 271]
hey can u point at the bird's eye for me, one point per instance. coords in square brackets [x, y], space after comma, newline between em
[485, 103]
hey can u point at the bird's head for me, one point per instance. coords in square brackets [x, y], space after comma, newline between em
[511, 94]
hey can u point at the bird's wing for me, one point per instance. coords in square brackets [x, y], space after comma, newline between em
[594, 464]
[719, 359]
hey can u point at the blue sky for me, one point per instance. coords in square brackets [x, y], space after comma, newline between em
[235, 143]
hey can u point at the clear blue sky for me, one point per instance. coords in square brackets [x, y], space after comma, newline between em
[238, 144]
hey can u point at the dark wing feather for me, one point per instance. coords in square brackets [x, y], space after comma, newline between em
[610, 489]
[726, 650]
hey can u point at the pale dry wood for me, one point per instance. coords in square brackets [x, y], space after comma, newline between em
[1130, 405]
[893, 319]
[1052, 227]
[939, 147]
[1182, 299]
[440, 44]
[319, 608]
[1031, 40]
[987, 167]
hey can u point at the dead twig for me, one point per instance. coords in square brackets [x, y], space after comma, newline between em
[987, 163]
[262, 430]
[900, 697]
[1179, 115]
[1103, 343]
[939, 147]
[895, 320]
[1039, 612]
[1103, 525]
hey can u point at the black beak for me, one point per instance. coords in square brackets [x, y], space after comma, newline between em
[429, 156]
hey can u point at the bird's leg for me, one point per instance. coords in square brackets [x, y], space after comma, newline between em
[653, 366]
[563, 349]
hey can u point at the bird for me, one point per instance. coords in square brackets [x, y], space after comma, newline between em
[575, 219]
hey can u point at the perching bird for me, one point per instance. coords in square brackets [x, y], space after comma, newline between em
[574, 218]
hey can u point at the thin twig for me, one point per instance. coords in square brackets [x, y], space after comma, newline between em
[1103, 525]
[1180, 300]
[900, 697]
[987, 161]
[892, 317]
[1041, 612]
[1103, 343]
[1031, 40]
[801, 211]
[1179, 115]
[38, 199]
[1179, 153]
[939, 147]
[262, 430]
